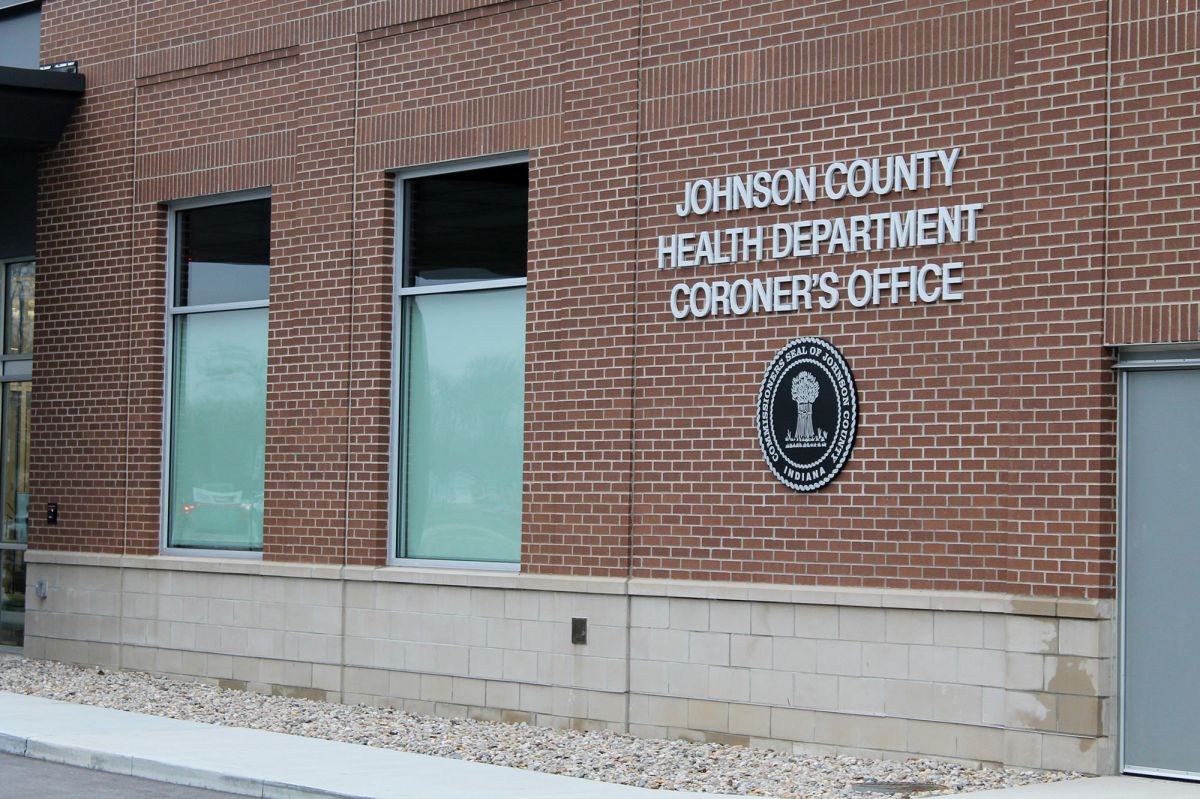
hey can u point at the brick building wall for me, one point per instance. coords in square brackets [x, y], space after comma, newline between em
[970, 472]
[985, 459]
[1152, 286]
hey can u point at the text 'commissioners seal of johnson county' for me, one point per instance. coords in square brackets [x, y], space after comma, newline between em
[807, 413]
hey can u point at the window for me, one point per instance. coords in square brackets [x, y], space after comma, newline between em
[217, 333]
[15, 389]
[461, 362]
[20, 34]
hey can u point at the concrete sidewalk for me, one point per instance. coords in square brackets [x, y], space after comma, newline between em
[1099, 788]
[269, 764]
[277, 766]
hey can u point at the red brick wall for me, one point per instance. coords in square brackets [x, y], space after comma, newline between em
[985, 451]
[1154, 199]
[984, 448]
[559, 80]
[82, 407]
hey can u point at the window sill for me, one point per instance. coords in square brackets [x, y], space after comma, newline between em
[197, 552]
[465, 576]
[456, 565]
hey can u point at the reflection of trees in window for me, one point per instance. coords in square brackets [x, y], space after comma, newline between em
[20, 309]
[14, 423]
[16, 461]
[463, 442]
[458, 421]
[224, 395]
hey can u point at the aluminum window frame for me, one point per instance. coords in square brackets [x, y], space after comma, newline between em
[398, 408]
[14, 366]
[171, 312]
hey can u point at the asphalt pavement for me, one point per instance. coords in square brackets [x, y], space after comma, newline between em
[26, 778]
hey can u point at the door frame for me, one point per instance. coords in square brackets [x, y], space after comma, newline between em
[13, 369]
[1152, 359]
[19, 546]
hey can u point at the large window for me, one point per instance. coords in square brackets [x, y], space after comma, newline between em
[461, 363]
[218, 390]
[16, 363]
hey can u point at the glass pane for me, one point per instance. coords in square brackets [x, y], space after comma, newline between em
[224, 251]
[19, 327]
[16, 462]
[20, 36]
[464, 388]
[218, 425]
[466, 226]
[12, 597]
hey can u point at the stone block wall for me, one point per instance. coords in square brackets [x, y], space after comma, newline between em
[887, 673]
[974, 677]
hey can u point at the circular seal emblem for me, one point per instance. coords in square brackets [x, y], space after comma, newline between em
[807, 414]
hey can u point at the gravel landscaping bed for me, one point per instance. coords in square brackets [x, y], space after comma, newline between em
[610, 757]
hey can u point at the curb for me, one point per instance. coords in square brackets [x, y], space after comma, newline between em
[13, 744]
[146, 769]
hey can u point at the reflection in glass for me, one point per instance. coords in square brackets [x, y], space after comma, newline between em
[16, 462]
[12, 597]
[463, 429]
[223, 253]
[18, 334]
[466, 226]
[218, 425]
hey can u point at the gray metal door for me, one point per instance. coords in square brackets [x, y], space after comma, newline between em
[1161, 571]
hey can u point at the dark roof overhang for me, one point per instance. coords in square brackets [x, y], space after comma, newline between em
[35, 105]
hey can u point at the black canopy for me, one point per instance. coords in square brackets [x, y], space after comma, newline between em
[35, 105]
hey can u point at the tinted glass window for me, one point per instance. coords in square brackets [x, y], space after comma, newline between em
[466, 226]
[218, 427]
[18, 335]
[224, 252]
[464, 426]
[20, 35]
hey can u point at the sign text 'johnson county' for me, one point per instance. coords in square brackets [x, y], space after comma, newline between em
[804, 238]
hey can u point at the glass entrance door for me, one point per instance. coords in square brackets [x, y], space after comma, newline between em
[16, 361]
[14, 535]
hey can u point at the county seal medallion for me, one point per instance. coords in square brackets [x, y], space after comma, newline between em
[807, 414]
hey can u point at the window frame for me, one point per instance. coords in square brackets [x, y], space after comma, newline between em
[17, 365]
[171, 312]
[398, 409]
[14, 368]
